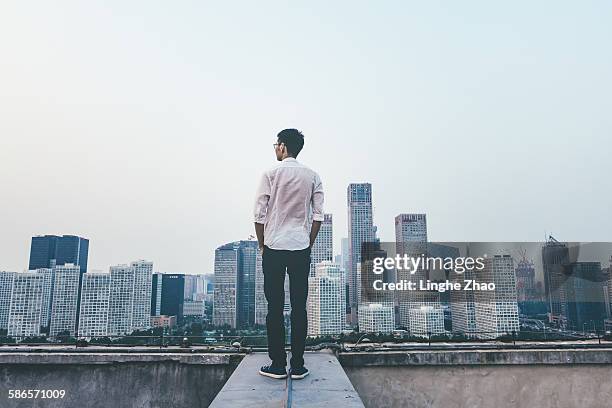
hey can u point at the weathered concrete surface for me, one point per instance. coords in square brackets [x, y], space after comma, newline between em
[116, 380]
[487, 357]
[113, 358]
[246, 388]
[482, 379]
[417, 378]
[326, 386]
[482, 386]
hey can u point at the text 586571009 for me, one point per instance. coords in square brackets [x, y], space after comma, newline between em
[33, 394]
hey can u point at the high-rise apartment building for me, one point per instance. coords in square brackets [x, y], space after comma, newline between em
[26, 305]
[65, 300]
[326, 303]
[130, 297]
[496, 311]
[141, 304]
[94, 306]
[322, 249]
[6, 289]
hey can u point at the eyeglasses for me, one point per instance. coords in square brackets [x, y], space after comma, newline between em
[276, 144]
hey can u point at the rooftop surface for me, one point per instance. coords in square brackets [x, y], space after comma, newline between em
[326, 386]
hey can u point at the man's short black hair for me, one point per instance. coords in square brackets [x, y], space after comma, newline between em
[293, 140]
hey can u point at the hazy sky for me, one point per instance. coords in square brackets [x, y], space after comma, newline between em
[145, 126]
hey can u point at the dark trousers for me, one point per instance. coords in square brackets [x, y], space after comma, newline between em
[297, 265]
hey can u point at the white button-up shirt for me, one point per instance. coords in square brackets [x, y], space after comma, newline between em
[289, 198]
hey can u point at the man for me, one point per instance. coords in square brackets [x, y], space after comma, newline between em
[288, 215]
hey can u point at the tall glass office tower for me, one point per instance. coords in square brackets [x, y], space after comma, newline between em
[60, 250]
[235, 270]
[360, 230]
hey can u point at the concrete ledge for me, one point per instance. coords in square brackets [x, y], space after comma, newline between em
[113, 358]
[101, 380]
[326, 386]
[475, 357]
[246, 388]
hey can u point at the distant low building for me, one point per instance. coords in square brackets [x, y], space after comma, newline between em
[192, 308]
[163, 321]
[426, 321]
[376, 318]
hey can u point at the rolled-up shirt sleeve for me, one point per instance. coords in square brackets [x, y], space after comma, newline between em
[261, 199]
[317, 200]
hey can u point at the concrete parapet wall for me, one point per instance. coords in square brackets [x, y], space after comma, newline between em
[482, 379]
[116, 380]
[543, 378]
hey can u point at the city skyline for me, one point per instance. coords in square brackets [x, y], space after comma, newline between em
[125, 299]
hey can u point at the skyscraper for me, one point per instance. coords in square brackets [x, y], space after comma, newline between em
[194, 287]
[26, 304]
[463, 306]
[584, 296]
[497, 310]
[410, 228]
[120, 301]
[360, 230]
[172, 295]
[42, 251]
[246, 284]
[411, 240]
[95, 295]
[344, 264]
[47, 250]
[156, 290]
[555, 255]
[234, 298]
[47, 300]
[141, 304]
[525, 280]
[130, 297]
[326, 303]
[322, 249]
[344, 254]
[64, 307]
[6, 289]
[261, 305]
[71, 249]
[226, 285]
